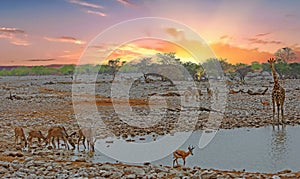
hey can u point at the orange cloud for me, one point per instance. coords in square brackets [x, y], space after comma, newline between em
[239, 55]
[65, 39]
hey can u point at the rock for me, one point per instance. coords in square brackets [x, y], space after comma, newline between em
[3, 170]
[27, 159]
[108, 168]
[106, 174]
[32, 176]
[29, 164]
[130, 176]
[287, 175]
[208, 175]
[134, 170]
[39, 163]
[159, 169]
[61, 176]
[20, 174]
[14, 154]
[80, 159]
[4, 164]
[116, 174]
[49, 168]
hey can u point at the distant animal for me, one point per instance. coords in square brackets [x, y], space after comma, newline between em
[19, 134]
[59, 132]
[209, 91]
[35, 134]
[265, 103]
[189, 92]
[182, 154]
[86, 134]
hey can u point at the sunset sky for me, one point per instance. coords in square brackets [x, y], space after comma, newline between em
[35, 32]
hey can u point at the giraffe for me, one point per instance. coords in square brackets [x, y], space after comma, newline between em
[278, 93]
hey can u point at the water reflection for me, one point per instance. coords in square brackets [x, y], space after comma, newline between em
[279, 147]
[264, 149]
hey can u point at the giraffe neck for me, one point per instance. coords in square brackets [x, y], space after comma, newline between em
[276, 83]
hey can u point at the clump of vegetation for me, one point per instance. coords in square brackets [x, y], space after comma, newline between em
[284, 67]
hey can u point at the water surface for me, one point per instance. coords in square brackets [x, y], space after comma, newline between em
[253, 149]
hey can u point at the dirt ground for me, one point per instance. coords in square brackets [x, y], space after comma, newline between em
[39, 102]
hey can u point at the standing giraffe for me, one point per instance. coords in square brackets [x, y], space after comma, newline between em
[278, 93]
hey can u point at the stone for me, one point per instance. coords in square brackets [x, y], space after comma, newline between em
[106, 174]
[3, 170]
[80, 159]
[116, 174]
[130, 176]
[4, 164]
[134, 170]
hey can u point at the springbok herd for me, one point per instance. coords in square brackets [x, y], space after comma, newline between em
[58, 133]
[84, 134]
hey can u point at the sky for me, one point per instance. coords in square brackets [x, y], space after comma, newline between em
[35, 32]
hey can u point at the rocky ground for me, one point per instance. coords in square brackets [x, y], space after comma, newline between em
[45, 101]
[34, 167]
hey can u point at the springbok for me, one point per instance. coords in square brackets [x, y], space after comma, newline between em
[86, 134]
[265, 103]
[59, 132]
[209, 92]
[35, 134]
[182, 154]
[189, 92]
[19, 133]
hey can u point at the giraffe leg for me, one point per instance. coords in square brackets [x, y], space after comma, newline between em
[282, 113]
[278, 107]
[273, 103]
[78, 143]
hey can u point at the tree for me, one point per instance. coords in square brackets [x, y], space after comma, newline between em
[294, 70]
[285, 55]
[242, 70]
[227, 67]
[115, 65]
[67, 69]
[282, 68]
[144, 64]
[266, 67]
[255, 66]
[195, 70]
[168, 58]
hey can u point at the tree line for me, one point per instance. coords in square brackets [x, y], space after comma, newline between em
[284, 67]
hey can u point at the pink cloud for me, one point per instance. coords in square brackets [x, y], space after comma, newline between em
[65, 39]
[260, 41]
[262, 34]
[14, 35]
[96, 13]
[126, 2]
[86, 4]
